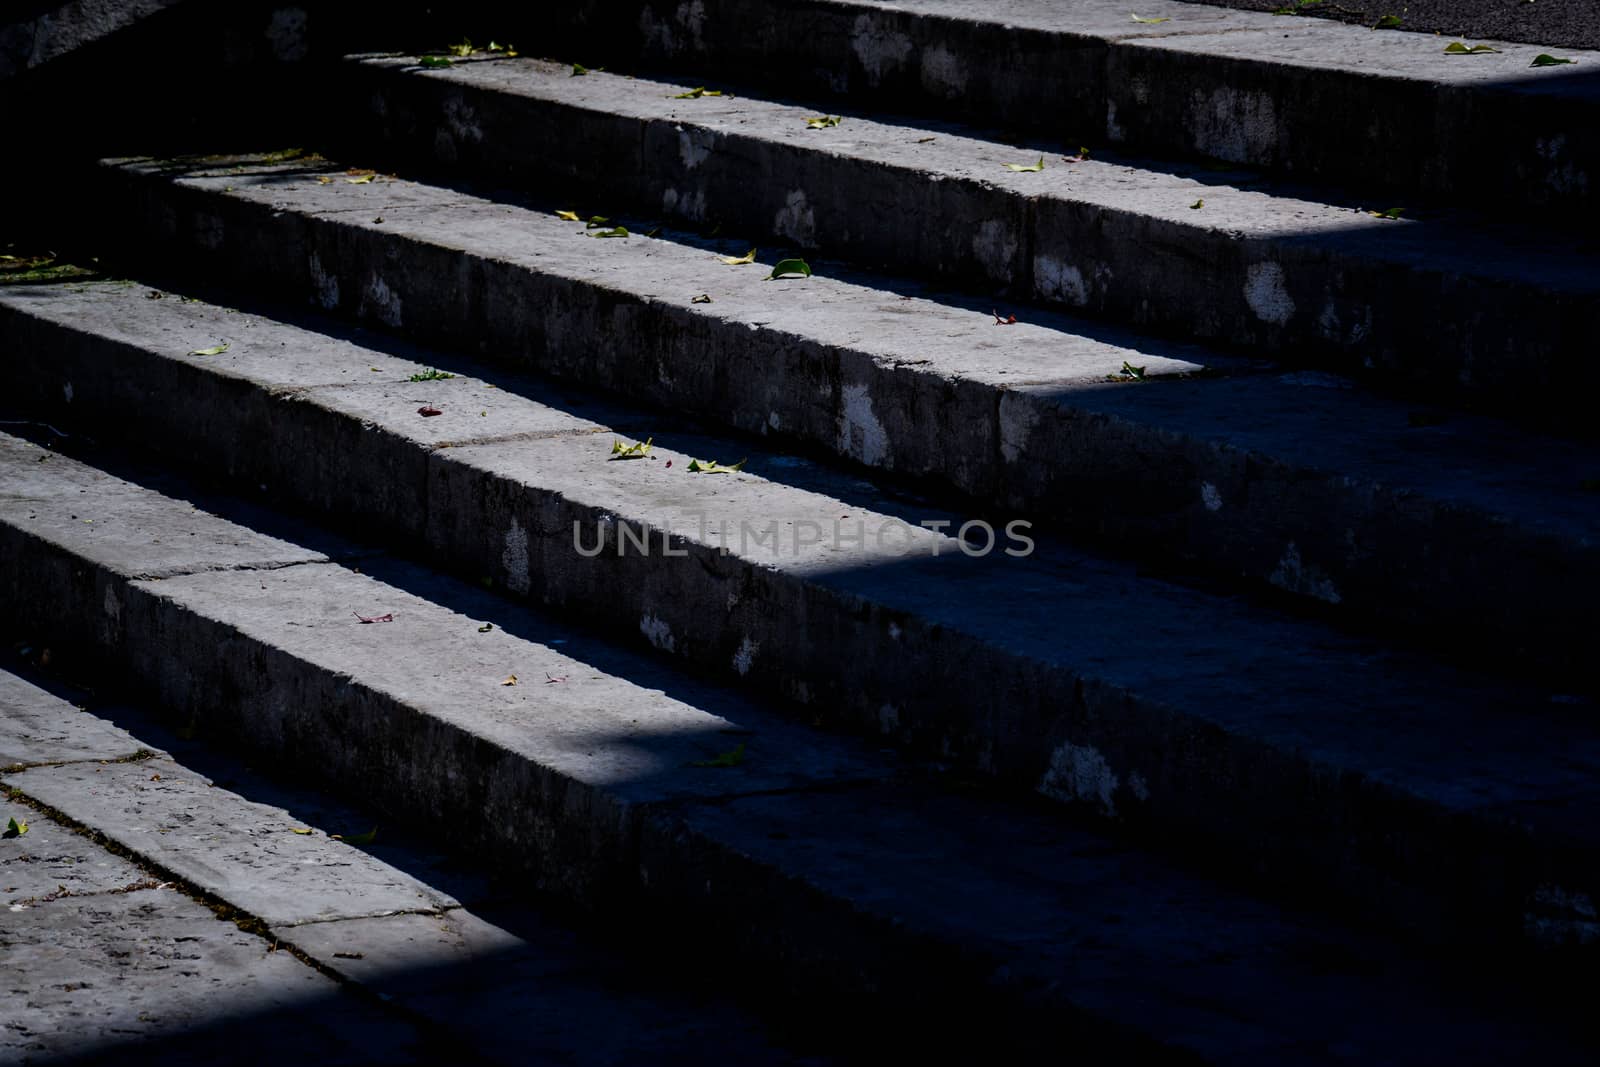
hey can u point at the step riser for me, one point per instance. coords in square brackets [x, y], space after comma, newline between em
[887, 672]
[1119, 85]
[643, 867]
[1441, 574]
[1351, 301]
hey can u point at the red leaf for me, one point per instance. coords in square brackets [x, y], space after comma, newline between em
[669, 462]
[1009, 320]
[374, 618]
[550, 679]
[428, 411]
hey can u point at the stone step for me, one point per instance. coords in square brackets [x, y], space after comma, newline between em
[1320, 101]
[435, 962]
[1206, 721]
[1455, 531]
[819, 860]
[1445, 303]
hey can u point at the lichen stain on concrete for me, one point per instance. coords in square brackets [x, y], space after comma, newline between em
[943, 73]
[658, 36]
[879, 51]
[1018, 417]
[888, 718]
[381, 301]
[994, 245]
[1210, 497]
[1294, 575]
[1266, 293]
[861, 435]
[657, 632]
[326, 286]
[1138, 787]
[1080, 772]
[745, 657]
[685, 205]
[692, 17]
[66, 391]
[112, 606]
[1114, 130]
[462, 120]
[208, 232]
[514, 559]
[795, 220]
[286, 35]
[1562, 917]
[1240, 127]
[695, 145]
[1056, 279]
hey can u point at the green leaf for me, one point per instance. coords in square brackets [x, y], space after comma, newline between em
[596, 221]
[615, 231]
[790, 266]
[1388, 22]
[1197, 205]
[357, 839]
[1388, 213]
[735, 261]
[1145, 21]
[822, 122]
[463, 49]
[1020, 168]
[1130, 373]
[578, 70]
[697, 93]
[1460, 48]
[430, 375]
[17, 829]
[434, 61]
[567, 216]
[713, 467]
[731, 758]
[633, 451]
[1545, 60]
[214, 350]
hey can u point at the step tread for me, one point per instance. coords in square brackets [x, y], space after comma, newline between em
[1234, 976]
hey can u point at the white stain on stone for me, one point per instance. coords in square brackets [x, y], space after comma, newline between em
[888, 718]
[895, 631]
[879, 51]
[1114, 130]
[657, 632]
[745, 657]
[861, 435]
[286, 34]
[381, 301]
[1080, 772]
[994, 245]
[690, 206]
[66, 391]
[1563, 917]
[796, 221]
[208, 232]
[462, 121]
[943, 73]
[773, 421]
[112, 606]
[1230, 124]
[1296, 576]
[658, 36]
[1266, 293]
[325, 285]
[1018, 417]
[692, 17]
[1138, 787]
[1210, 497]
[1056, 279]
[514, 559]
[695, 145]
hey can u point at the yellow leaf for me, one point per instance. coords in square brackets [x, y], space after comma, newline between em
[511, 679]
[1019, 168]
[567, 216]
[363, 180]
[734, 261]
[302, 830]
[1136, 18]
[214, 350]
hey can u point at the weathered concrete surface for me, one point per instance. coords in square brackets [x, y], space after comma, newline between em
[1057, 689]
[106, 964]
[247, 854]
[1339, 104]
[1568, 23]
[1446, 303]
[504, 982]
[44, 35]
[39, 727]
[1465, 534]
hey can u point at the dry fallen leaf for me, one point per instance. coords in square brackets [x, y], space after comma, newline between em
[510, 679]
[428, 411]
[389, 617]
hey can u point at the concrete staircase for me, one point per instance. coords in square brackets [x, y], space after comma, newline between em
[1272, 737]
